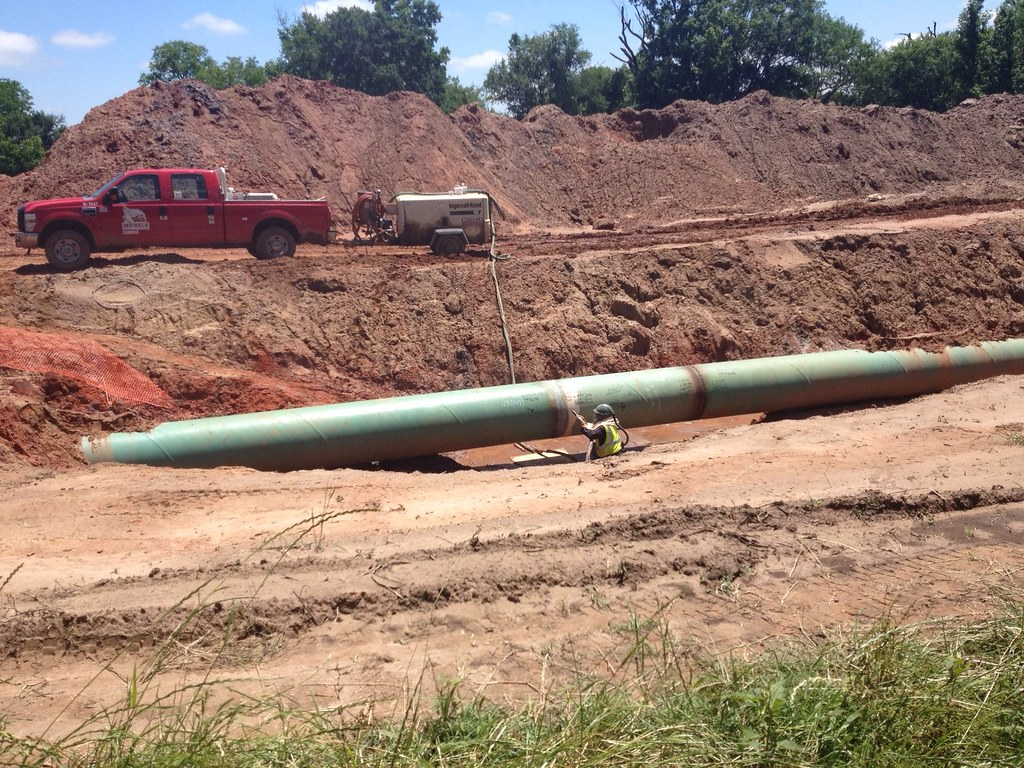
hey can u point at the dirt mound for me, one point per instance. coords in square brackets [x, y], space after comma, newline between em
[311, 139]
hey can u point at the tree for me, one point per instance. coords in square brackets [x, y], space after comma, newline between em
[842, 57]
[456, 94]
[682, 50]
[539, 69]
[25, 133]
[717, 50]
[917, 72]
[603, 89]
[181, 60]
[388, 49]
[236, 71]
[1002, 60]
[779, 46]
[177, 60]
[971, 36]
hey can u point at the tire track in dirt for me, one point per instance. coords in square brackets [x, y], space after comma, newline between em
[714, 549]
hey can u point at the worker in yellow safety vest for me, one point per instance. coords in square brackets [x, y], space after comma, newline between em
[607, 437]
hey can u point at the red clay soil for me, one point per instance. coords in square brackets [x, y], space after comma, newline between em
[637, 240]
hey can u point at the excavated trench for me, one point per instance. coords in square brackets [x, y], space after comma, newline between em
[346, 324]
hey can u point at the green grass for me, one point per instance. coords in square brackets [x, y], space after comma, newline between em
[1013, 433]
[933, 694]
[1015, 438]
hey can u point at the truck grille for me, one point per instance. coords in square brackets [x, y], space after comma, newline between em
[21, 218]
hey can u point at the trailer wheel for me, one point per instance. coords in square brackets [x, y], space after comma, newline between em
[448, 245]
[67, 250]
[273, 243]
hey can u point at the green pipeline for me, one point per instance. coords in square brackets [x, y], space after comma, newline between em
[348, 434]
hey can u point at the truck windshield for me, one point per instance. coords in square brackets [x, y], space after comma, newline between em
[99, 192]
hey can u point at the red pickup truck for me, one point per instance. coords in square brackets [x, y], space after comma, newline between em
[170, 207]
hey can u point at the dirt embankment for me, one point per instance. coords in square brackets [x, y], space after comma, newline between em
[352, 324]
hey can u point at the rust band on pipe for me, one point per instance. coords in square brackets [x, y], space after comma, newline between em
[348, 434]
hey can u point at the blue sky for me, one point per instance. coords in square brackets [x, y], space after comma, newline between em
[73, 56]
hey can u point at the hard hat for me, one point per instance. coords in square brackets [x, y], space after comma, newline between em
[604, 411]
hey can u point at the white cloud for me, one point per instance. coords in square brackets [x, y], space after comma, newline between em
[474, 63]
[16, 48]
[214, 24]
[72, 38]
[323, 7]
[499, 18]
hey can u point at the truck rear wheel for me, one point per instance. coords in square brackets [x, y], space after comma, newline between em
[67, 250]
[273, 243]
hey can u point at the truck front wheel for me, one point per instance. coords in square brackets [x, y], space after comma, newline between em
[67, 250]
[273, 243]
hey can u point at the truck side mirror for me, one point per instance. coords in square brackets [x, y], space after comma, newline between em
[111, 196]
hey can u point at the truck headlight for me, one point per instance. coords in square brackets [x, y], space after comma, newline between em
[30, 222]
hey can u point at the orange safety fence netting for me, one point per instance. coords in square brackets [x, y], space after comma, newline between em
[80, 359]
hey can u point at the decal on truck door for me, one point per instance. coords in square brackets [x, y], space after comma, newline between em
[134, 220]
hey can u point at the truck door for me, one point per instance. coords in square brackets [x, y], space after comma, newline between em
[132, 219]
[192, 217]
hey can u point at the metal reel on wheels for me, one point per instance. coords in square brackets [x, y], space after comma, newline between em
[369, 219]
